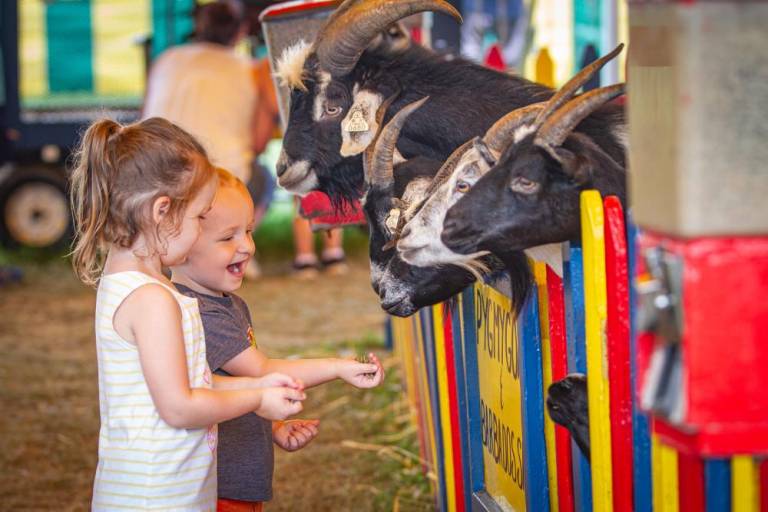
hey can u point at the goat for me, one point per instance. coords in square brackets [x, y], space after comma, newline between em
[358, 59]
[568, 405]
[530, 197]
[420, 242]
[390, 190]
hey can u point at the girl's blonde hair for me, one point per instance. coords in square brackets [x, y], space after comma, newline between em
[119, 171]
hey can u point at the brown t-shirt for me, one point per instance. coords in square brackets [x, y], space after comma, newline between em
[245, 451]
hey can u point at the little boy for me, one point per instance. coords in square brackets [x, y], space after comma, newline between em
[213, 270]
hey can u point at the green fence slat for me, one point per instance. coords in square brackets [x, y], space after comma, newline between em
[172, 23]
[70, 50]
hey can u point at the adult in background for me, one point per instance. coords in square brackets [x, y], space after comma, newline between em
[219, 97]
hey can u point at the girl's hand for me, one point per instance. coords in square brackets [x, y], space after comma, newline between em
[293, 435]
[362, 375]
[277, 380]
[279, 403]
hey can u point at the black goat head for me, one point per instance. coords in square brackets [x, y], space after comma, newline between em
[531, 196]
[322, 78]
[568, 406]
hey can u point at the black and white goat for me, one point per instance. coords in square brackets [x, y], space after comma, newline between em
[361, 57]
[530, 197]
[420, 241]
[391, 189]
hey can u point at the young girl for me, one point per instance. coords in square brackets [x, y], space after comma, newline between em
[138, 194]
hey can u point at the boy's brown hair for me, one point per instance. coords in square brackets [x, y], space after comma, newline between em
[119, 171]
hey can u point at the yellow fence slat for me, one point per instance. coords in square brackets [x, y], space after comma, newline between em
[595, 305]
[745, 484]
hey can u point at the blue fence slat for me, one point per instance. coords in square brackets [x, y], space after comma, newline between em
[717, 485]
[641, 435]
[536, 477]
[573, 288]
[472, 387]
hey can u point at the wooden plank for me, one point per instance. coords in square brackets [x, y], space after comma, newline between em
[442, 374]
[540, 274]
[595, 313]
[641, 436]
[617, 331]
[557, 339]
[665, 479]
[472, 383]
[573, 286]
[422, 328]
[690, 470]
[764, 485]
[744, 482]
[536, 474]
[717, 485]
[457, 339]
[499, 364]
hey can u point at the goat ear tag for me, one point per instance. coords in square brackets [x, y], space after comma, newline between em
[357, 122]
[393, 219]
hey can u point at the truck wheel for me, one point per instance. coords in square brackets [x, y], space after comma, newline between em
[34, 210]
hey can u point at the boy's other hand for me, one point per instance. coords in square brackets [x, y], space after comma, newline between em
[362, 375]
[278, 380]
[279, 403]
[293, 435]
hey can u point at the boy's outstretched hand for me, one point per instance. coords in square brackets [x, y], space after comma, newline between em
[362, 375]
[293, 435]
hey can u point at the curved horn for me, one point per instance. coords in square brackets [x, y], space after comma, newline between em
[555, 130]
[347, 34]
[381, 169]
[500, 134]
[447, 168]
[368, 153]
[567, 91]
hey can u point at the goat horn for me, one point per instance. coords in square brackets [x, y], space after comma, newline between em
[566, 92]
[381, 170]
[368, 153]
[447, 168]
[555, 130]
[500, 134]
[347, 34]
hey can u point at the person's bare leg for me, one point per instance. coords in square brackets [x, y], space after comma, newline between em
[305, 260]
[333, 256]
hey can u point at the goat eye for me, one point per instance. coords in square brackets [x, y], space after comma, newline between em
[524, 185]
[332, 110]
[462, 187]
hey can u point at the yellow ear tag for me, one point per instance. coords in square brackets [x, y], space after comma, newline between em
[357, 122]
[393, 219]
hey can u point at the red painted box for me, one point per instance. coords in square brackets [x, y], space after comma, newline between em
[724, 342]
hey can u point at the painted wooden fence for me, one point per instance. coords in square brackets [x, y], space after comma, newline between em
[476, 378]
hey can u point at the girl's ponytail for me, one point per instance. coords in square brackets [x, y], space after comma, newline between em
[91, 177]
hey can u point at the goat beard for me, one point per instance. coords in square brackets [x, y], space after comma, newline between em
[345, 185]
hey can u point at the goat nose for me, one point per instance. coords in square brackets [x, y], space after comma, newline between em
[282, 163]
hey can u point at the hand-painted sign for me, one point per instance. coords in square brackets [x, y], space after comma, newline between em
[501, 417]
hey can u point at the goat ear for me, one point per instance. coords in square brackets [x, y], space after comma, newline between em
[359, 127]
[578, 167]
[484, 151]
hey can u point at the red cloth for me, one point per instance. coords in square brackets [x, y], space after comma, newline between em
[225, 505]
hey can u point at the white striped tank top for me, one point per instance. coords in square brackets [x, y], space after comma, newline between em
[144, 463]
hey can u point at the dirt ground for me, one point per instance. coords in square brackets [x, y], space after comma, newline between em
[366, 457]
